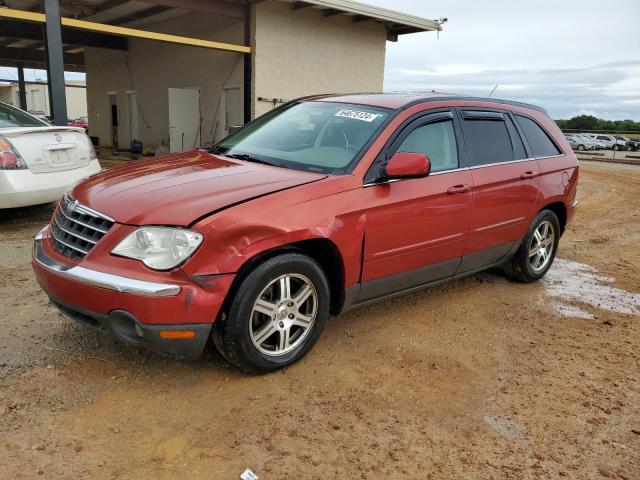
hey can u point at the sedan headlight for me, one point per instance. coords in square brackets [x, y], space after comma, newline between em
[160, 248]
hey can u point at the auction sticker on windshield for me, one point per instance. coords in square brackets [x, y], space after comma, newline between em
[356, 115]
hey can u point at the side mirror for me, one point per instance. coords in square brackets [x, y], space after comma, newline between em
[408, 165]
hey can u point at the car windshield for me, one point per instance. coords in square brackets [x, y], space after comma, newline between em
[14, 117]
[314, 136]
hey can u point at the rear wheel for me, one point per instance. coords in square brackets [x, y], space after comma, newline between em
[538, 249]
[276, 315]
[581, 148]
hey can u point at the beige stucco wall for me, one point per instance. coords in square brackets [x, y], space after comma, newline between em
[151, 68]
[295, 53]
[302, 52]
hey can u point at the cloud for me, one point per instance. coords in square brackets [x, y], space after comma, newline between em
[564, 56]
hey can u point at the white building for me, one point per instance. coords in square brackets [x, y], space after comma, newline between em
[38, 97]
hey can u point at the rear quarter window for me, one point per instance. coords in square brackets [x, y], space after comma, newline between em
[487, 141]
[539, 141]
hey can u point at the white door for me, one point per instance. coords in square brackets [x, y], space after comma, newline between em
[132, 113]
[232, 109]
[184, 119]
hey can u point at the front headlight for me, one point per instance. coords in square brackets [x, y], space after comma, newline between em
[160, 248]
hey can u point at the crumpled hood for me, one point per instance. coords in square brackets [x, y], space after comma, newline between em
[179, 189]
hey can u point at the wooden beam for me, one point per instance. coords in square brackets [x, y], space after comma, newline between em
[299, 6]
[214, 7]
[33, 31]
[140, 15]
[124, 32]
[330, 12]
[108, 5]
[31, 55]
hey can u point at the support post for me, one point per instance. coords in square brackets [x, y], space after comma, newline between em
[248, 95]
[22, 89]
[55, 62]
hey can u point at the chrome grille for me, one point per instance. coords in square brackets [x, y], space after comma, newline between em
[75, 229]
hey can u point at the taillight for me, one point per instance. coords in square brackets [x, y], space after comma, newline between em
[9, 158]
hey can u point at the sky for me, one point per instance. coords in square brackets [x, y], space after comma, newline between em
[571, 57]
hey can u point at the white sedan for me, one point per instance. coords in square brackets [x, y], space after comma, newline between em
[40, 162]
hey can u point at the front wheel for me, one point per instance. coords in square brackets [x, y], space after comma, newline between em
[276, 316]
[580, 148]
[537, 250]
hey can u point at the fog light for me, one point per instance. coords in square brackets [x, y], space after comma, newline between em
[176, 334]
[139, 331]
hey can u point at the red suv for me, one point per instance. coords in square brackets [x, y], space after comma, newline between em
[322, 205]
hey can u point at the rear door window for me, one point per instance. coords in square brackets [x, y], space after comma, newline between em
[12, 117]
[539, 142]
[487, 139]
[437, 141]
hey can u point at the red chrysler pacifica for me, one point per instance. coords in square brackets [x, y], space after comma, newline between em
[322, 205]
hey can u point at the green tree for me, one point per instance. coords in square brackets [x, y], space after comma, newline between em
[583, 122]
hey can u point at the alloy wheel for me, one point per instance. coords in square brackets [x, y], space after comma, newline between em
[283, 314]
[541, 246]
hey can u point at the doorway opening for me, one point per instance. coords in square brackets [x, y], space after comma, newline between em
[132, 115]
[233, 110]
[112, 102]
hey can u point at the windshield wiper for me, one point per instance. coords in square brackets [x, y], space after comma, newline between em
[250, 158]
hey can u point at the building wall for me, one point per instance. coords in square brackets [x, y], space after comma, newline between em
[38, 98]
[302, 52]
[151, 68]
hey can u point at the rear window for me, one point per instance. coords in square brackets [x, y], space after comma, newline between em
[487, 142]
[539, 142]
[13, 117]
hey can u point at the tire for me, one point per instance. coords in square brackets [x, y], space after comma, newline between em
[259, 342]
[580, 148]
[525, 267]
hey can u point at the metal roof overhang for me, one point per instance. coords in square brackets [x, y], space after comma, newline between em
[397, 23]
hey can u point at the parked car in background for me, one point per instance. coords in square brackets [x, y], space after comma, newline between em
[609, 141]
[597, 144]
[579, 143]
[81, 122]
[40, 115]
[622, 142]
[322, 205]
[634, 144]
[40, 162]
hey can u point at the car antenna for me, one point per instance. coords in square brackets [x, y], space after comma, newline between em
[494, 89]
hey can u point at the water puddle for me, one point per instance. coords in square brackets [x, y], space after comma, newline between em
[578, 282]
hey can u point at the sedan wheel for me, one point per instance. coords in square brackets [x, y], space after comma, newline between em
[541, 246]
[276, 314]
[537, 249]
[581, 147]
[283, 314]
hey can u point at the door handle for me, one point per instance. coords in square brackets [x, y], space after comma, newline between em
[459, 189]
[528, 175]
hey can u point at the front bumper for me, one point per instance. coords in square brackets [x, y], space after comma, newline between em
[188, 341]
[172, 317]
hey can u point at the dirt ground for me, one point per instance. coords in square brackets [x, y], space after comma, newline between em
[479, 378]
